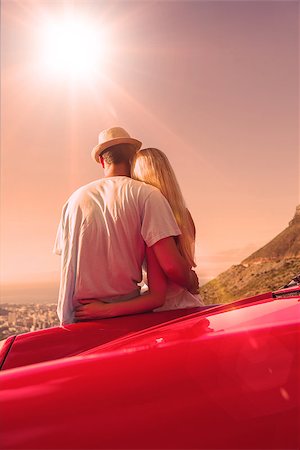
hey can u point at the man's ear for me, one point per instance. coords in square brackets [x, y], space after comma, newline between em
[101, 161]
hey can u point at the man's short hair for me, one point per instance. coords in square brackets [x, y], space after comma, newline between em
[120, 153]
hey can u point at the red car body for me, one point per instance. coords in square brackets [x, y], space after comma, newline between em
[225, 377]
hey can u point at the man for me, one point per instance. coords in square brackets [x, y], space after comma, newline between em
[104, 228]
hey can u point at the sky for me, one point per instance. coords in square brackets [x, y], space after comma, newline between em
[214, 84]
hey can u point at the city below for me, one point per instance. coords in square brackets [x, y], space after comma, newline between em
[22, 318]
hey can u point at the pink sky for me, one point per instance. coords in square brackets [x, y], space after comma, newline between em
[213, 84]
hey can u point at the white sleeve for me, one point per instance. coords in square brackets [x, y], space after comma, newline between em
[59, 240]
[57, 249]
[67, 243]
[158, 221]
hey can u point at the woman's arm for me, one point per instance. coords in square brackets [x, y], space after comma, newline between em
[155, 297]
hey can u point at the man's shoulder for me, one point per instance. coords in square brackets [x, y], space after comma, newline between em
[137, 188]
[83, 191]
[144, 187]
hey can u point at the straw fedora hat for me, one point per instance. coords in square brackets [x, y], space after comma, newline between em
[113, 136]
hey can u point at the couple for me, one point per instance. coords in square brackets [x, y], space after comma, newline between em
[133, 218]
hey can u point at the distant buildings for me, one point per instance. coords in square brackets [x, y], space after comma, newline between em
[16, 319]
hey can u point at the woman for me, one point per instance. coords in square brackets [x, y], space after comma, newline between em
[153, 167]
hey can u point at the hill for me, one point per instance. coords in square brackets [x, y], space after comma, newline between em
[267, 269]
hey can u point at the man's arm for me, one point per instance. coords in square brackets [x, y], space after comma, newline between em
[174, 265]
[159, 227]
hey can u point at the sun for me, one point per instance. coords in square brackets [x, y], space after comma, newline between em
[72, 48]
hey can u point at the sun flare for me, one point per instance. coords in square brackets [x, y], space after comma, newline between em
[73, 48]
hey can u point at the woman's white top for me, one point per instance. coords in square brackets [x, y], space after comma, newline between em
[179, 298]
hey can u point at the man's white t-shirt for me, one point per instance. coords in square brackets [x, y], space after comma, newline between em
[104, 229]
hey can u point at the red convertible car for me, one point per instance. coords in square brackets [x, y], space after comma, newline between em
[222, 377]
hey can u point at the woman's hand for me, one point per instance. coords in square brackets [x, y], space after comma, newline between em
[91, 308]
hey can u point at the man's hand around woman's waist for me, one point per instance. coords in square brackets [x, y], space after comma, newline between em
[92, 308]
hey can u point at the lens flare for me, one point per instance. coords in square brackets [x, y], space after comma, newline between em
[73, 48]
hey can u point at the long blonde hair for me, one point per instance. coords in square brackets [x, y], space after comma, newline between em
[153, 167]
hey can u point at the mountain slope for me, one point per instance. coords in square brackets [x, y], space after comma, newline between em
[266, 269]
[285, 245]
